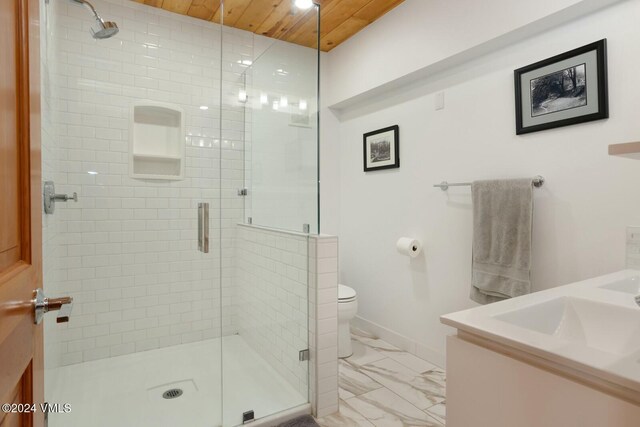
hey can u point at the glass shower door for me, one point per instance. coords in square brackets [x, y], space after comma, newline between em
[150, 126]
[131, 123]
[270, 99]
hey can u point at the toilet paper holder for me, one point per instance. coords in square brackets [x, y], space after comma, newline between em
[409, 246]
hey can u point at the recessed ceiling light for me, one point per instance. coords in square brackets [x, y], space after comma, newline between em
[282, 71]
[303, 4]
[204, 107]
[92, 172]
[303, 104]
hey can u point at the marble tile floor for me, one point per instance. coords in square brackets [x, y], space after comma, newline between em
[383, 386]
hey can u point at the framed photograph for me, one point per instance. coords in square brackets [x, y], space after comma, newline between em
[382, 149]
[563, 90]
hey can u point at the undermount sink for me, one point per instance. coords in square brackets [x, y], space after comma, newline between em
[600, 326]
[629, 285]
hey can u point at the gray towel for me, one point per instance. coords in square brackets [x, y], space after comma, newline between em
[502, 221]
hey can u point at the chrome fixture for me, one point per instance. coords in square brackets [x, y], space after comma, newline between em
[42, 305]
[107, 28]
[50, 197]
[203, 227]
[537, 182]
[306, 228]
[303, 355]
[243, 191]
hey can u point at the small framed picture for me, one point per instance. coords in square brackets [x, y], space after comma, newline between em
[563, 90]
[382, 149]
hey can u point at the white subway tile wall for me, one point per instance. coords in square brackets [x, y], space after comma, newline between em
[287, 295]
[128, 247]
[272, 299]
[323, 324]
[126, 251]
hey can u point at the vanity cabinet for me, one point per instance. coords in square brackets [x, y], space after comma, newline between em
[492, 385]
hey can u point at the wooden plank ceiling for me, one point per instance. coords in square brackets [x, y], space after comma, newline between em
[340, 19]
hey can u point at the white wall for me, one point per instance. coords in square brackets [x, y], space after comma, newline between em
[580, 213]
[329, 156]
[419, 33]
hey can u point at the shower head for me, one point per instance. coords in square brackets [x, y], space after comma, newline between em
[107, 29]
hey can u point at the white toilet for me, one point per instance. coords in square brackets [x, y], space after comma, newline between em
[347, 309]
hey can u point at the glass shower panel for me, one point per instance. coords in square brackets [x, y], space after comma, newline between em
[281, 162]
[265, 366]
[270, 174]
[132, 124]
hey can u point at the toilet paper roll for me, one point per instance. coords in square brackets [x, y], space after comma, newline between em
[409, 246]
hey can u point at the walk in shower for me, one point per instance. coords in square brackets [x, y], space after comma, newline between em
[193, 149]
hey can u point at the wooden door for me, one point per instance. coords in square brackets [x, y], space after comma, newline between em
[21, 358]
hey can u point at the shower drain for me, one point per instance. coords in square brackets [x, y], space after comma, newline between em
[172, 393]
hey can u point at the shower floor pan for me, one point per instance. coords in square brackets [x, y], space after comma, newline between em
[178, 385]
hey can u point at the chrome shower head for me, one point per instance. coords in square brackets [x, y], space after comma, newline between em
[107, 29]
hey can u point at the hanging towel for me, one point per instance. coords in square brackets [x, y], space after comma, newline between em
[502, 223]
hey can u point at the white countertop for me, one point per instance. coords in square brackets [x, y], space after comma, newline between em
[611, 354]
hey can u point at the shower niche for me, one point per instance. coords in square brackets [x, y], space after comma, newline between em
[156, 146]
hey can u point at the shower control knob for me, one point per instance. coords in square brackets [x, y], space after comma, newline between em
[51, 197]
[42, 305]
[65, 197]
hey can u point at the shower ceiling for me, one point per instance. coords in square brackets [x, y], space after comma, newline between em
[279, 19]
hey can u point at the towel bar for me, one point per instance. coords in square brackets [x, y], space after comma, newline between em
[537, 182]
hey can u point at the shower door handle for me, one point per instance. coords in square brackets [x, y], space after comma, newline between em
[203, 227]
[42, 305]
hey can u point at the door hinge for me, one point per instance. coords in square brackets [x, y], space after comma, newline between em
[303, 355]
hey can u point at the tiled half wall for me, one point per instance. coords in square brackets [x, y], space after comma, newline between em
[286, 301]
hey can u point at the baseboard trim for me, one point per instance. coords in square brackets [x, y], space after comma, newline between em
[400, 341]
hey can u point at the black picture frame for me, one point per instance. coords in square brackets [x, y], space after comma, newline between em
[390, 155]
[576, 103]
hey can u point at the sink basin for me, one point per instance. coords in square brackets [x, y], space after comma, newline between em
[600, 326]
[630, 285]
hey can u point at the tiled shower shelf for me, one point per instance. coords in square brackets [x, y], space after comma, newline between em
[156, 141]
